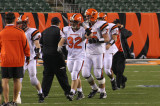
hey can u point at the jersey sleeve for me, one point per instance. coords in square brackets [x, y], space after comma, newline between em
[114, 30]
[35, 35]
[65, 30]
[104, 28]
[62, 34]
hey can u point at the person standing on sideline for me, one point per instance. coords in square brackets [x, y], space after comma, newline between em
[53, 61]
[33, 37]
[75, 38]
[124, 52]
[13, 47]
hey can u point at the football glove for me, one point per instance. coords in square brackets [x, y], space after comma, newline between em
[93, 40]
[59, 49]
[27, 60]
[88, 31]
[37, 53]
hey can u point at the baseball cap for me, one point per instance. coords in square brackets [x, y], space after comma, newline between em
[55, 20]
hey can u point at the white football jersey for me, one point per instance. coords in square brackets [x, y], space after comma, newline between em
[75, 42]
[98, 29]
[32, 34]
[113, 29]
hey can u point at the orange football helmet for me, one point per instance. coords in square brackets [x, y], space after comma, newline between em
[75, 21]
[22, 22]
[91, 14]
[102, 16]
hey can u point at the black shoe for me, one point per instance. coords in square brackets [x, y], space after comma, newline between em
[124, 82]
[114, 85]
[70, 96]
[12, 104]
[92, 93]
[80, 95]
[103, 95]
[5, 104]
[41, 98]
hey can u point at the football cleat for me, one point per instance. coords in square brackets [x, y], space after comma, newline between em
[103, 95]
[12, 103]
[41, 98]
[124, 82]
[80, 95]
[114, 85]
[5, 104]
[70, 96]
[92, 93]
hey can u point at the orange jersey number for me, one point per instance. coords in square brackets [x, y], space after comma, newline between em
[71, 44]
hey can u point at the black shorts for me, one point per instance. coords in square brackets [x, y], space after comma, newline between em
[12, 72]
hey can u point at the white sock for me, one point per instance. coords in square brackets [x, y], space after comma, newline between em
[112, 79]
[79, 89]
[102, 90]
[94, 87]
[40, 91]
[19, 93]
[72, 90]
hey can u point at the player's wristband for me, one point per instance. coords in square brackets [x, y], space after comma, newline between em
[111, 41]
[27, 58]
[88, 31]
[37, 50]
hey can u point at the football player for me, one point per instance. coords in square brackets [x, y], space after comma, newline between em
[33, 36]
[74, 35]
[95, 49]
[111, 49]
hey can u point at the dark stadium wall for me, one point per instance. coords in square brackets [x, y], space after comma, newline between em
[144, 26]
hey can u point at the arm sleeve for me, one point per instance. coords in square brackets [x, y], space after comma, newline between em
[25, 45]
[35, 35]
[115, 31]
[62, 34]
[104, 28]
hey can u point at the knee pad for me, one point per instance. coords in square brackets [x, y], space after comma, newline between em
[90, 79]
[34, 80]
[108, 71]
[102, 81]
[98, 73]
[74, 75]
[86, 73]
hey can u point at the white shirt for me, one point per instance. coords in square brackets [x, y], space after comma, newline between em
[32, 34]
[75, 42]
[98, 29]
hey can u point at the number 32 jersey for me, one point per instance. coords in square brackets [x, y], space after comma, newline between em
[75, 42]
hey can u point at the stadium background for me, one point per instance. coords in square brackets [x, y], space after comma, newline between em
[142, 17]
[144, 26]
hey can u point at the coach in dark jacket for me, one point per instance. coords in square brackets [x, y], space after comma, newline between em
[53, 61]
[118, 64]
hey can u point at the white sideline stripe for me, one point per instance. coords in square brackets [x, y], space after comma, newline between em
[136, 103]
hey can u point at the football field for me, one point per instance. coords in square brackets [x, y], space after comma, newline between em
[142, 89]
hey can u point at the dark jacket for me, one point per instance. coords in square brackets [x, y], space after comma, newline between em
[49, 40]
[124, 34]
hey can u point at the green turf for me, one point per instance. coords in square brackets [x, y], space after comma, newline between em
[132, 95]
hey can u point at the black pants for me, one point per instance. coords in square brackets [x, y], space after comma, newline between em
[118, 66]
[54, 65]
